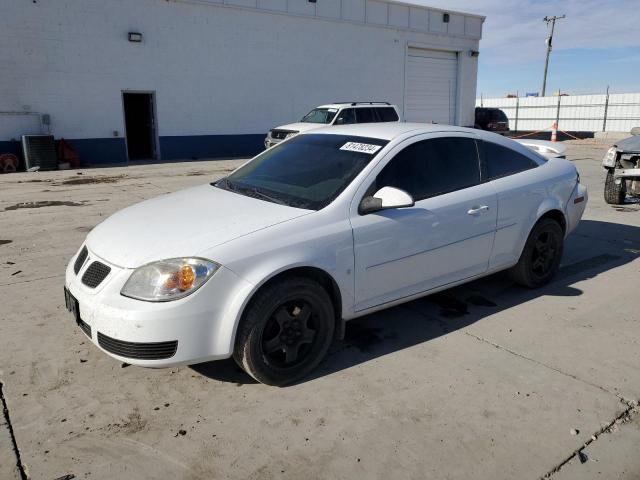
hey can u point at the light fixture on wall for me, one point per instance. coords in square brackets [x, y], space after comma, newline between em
[135, 37]
[474, 53]
[445, 17]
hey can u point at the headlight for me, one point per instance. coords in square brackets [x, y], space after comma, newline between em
[168, 280]
[609, 159]
[290, 134]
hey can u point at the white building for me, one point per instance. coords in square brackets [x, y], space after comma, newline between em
[168, 79]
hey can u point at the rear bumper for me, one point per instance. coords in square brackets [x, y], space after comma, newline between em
[197, 328]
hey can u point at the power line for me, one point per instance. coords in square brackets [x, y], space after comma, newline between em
[552, 21]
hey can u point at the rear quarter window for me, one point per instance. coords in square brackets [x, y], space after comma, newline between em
[502, 161]
[387, 114]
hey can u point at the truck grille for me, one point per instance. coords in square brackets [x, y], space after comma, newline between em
[142, 351]
[281, 134]
[95, 274]
[82, 256]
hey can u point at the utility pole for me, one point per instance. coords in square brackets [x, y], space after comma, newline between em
[552, 21]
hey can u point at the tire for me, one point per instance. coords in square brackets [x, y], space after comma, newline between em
[541, 255]
[613, 194]
[285, 332]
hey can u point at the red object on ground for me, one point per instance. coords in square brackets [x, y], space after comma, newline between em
[8, 162]
[66, 153]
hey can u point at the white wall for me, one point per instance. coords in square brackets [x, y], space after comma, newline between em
[215, 69]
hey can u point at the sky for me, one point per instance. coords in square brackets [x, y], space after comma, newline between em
[597, 44]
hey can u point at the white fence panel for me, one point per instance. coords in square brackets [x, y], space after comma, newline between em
[588, 113]
[583, 113]
[624, 112]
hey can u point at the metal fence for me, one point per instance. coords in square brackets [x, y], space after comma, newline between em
[616, 112]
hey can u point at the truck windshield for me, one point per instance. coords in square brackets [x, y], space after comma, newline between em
[320, 115]
[307, 171]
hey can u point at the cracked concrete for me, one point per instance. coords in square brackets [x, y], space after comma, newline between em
[627, 429]
[483, 381]
[11, 467]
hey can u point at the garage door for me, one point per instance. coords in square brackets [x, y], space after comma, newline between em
[430, 86]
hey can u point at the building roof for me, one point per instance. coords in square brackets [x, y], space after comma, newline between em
[409, 3]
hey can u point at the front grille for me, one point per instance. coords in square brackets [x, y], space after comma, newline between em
[82, 256]
[281, 134]
[142, 351]
[85, 327]
[95, 274]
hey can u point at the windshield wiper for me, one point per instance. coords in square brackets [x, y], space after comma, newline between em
[247, 190]
[226, 184]
[253, 191]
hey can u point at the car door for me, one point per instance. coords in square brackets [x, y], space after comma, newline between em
[520, 192]
[445, 237]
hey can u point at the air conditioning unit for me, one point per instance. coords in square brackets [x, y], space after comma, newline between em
[39, 151]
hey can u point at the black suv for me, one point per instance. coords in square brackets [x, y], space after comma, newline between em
[491, 119]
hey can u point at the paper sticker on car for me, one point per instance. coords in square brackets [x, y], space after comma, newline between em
[361, 147]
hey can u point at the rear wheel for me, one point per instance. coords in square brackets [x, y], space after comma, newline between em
[286, 331]
[541, 255]
[613, 194]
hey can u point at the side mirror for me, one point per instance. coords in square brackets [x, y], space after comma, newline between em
[385, 199]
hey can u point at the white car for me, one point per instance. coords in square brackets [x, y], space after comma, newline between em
[341, 113]
[268, 263]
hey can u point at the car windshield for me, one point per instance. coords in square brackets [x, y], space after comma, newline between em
[306, 171]
[320, 115]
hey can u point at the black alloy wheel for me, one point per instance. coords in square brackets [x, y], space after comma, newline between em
[286, 331]
[289, 334]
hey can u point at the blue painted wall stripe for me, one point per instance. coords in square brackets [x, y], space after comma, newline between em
[211, 146]
[101, 151]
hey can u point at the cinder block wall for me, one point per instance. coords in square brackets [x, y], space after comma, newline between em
[222, 74]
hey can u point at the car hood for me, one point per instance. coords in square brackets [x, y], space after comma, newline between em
[182, 224]
[631, 144]
[300, 126]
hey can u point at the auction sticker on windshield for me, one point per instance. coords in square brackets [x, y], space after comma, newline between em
[360, 147]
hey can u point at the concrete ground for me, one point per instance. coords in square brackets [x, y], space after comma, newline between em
[483, 381]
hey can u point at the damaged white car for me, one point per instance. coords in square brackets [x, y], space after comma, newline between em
[267, 264]
[622, 164]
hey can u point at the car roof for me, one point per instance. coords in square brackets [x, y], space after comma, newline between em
[389, 130]
[356, 104]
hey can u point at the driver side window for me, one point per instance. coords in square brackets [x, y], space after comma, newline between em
[346, 117]
[432, 167]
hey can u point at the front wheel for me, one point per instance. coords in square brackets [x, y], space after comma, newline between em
[285, 332]
[541, 255]
[613, 194]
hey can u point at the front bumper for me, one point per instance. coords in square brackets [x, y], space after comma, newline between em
[626, 172]
[197, 328]
[270, 142]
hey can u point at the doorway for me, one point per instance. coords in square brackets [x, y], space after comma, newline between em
[140, 125]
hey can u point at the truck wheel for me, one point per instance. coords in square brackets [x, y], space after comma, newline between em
[285, 332]
[613, 194]
[541, 255]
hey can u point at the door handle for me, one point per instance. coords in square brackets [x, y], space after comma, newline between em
[476, 210]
